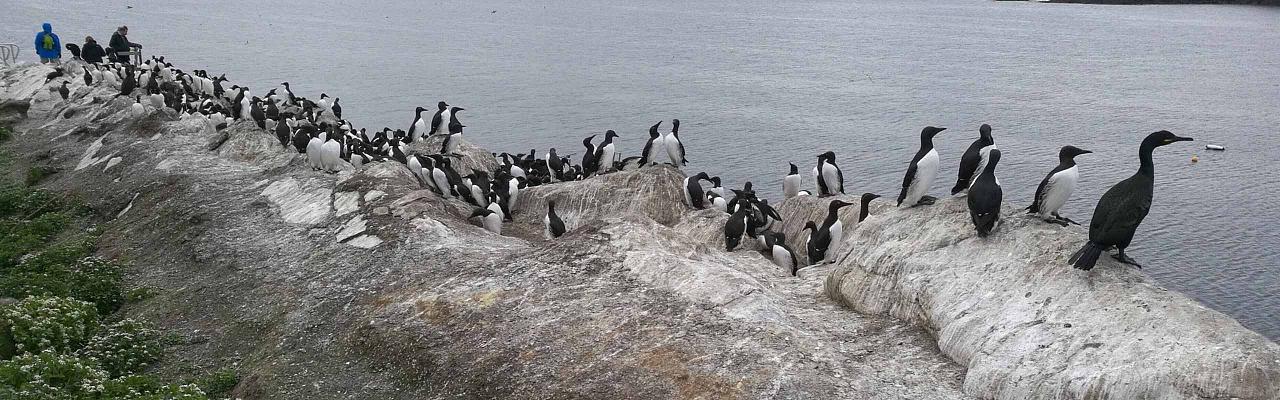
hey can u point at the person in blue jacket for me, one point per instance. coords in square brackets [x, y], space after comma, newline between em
[48, 46]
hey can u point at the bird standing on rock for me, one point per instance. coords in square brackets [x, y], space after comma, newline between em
[825, 239]
[829, 178]
[972, 160]
[985, 196]
[674, 147]
[921, 171]
[1057, 186]
[1123, 207]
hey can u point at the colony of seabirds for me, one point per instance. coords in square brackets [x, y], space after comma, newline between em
[316, 129]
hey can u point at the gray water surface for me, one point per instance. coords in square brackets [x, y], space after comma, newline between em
[758, 84]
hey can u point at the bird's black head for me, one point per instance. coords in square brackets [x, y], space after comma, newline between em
[443, 106]
[419, 110]
[867, 197]
[456, 109]
[929, 132]
[794, 170]
[551, 204]
[1070, 152]
[610, 134]
[653, 130]
[985, 132]
[865, 210]
[746, 187]
[1162, 138]
[480, 212]
[830, 156]
[810, 226]
[702, 176]
[588, 140]
[838, 204]
[675, 125]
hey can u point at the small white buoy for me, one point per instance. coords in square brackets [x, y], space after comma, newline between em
[1214, 147]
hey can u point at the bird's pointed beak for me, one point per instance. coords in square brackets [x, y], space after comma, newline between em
[1183, 139]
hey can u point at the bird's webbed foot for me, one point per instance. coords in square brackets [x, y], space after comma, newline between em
[1121, 257]
[927, 201]
[1065, 219]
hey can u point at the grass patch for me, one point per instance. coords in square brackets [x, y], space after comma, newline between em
[55, 341]
[37, 174]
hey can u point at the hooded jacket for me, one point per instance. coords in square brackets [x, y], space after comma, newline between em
[119, 43]
[47, 43]
[92, 52]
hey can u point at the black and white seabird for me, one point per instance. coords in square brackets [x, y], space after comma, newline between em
[605, 152]
[450, 144]
[921, 171]
[985, 196]
[674, 147]
[589, 158]
[652, 147]
[736, 228]
[782, 255]
[1057, 186]
[971, 161]
[440, 121]
[1123, 207]
[791, 182]
[553, 223]
[418, 127]
[865, 204]
[489, 219]
[830, 178]
[825, 239]
[693, 193]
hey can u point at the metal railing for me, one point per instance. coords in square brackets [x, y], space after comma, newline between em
[9, 53]
[134, 55]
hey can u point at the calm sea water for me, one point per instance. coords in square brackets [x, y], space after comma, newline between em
[760, 83]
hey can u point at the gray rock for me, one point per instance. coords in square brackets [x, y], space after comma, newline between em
[1001, 307]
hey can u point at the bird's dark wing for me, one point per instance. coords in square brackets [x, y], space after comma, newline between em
[435, 123]
[906, 181]
[968, 167]
[840, 177]
[1040, 191]
[683, 160]
[1119, 212]
[644, 155]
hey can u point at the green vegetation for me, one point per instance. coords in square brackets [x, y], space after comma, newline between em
[57, 338]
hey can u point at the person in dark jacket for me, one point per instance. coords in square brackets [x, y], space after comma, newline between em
[120, 44]
[92, 52]
[48, 46]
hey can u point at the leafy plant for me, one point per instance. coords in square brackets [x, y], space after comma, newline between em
[39, 324]
[220, 382]
[124, 348]
[56, 272]
[142, 387]
[49, 375]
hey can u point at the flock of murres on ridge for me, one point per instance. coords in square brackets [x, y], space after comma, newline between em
[330, 143]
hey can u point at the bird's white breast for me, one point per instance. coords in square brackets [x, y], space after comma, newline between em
[1058, 190]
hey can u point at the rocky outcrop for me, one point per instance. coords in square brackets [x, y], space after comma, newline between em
[362, 284]
[1027, 325]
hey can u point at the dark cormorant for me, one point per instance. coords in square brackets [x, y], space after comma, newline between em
[1122, 208]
